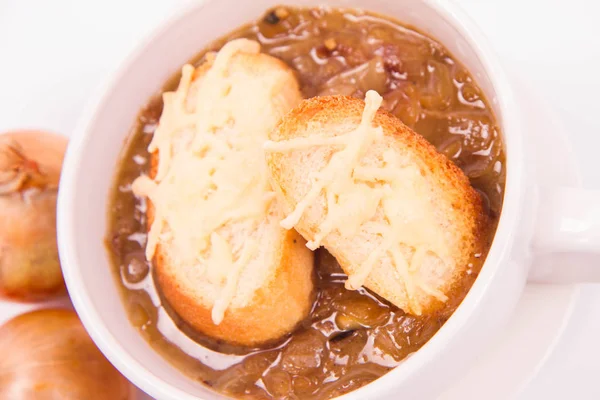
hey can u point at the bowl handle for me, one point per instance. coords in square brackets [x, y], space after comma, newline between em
[567, 220]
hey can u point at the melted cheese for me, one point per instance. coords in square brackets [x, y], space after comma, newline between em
[383, 199]
[210, 193]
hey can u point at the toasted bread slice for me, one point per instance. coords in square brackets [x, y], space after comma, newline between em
[399, 217]
[221, 259]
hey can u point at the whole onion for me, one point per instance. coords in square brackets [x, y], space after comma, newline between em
[30, 164]
[48, 355]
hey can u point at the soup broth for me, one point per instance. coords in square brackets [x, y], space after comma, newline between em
[351, 337]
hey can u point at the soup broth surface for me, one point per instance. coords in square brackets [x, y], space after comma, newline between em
[350, 337]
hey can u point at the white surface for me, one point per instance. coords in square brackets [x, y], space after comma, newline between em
[515, 361]
[53, 53]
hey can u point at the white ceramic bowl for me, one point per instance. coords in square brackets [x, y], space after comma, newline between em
[95, 150]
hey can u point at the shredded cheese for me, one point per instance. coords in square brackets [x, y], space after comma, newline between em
[356, 193]
[210, 192]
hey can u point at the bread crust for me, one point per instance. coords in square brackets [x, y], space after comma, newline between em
[271, 314]
[460, 206]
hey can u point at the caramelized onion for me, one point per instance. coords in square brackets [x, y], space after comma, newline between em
[404, 104]
[439, 91]
[30, 164]
[47, 354]
[368, 76]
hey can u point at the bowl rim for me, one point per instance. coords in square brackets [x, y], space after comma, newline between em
[143, 378]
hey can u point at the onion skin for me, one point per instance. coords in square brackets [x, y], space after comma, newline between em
[30, 163]
[48, 355]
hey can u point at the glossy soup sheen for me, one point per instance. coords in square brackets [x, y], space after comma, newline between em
[351, 337]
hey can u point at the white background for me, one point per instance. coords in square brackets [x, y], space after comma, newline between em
[53, 53]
